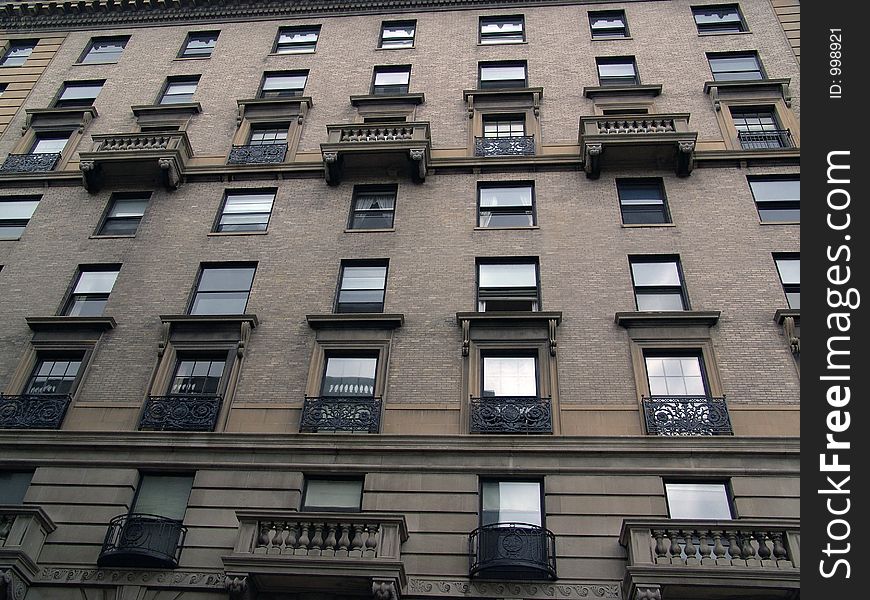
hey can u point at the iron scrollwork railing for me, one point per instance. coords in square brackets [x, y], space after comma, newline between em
[143, 540]
[520, 145]
[686, 415]
[30, 163]
[511, 414]
[180, 413]
[33, 411]
[763, 140]
[512, 551]
[336, 413]
[257, 154]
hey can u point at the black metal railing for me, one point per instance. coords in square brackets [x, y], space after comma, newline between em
[686, 415]
[139, 540]
[511, 414]
[337, 413]
[517, 551]
[257, 154]
[764, 140]
[33, 411]
[519, 145]
[30, 163]
[180, 413]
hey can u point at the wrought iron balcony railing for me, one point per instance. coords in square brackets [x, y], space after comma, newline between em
[517, 551]
[33, 411]
[765, 140]
[139, 540]
[257, 154]
[360, 414]
[686, 415]
[511, 414]
[41, 162]
[518, 145]
[196, 412]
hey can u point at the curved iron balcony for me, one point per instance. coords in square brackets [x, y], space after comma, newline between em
[686, 415]
[40, 162]
[361, 414]
[33, 411]
[515, 551]
[139, 540]
[518, 145]
[257, 154]
[765, 140]
[511, 414]
[195, 412]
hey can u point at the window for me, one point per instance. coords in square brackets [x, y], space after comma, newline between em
[735, 66]
[362, 287]
[373, 207]
[388, 81]
[78, 93]
[789, 268]
[718, 19]
[91, 291]
[505, 205]
[13, 486]
[297, 40]
[349, 375]
[15, 213]
[264, 135]
[698, 501]
[658, 283]
[223, 290]
[54, 375]
[281, 84]
[397, 34]
[50, 143]
[777, 198]
[163, 496]
[125, 213]
[3, 87]
[507, 286]
[17, 53]
[758, 129]
[509, 376]
[502, 30]
[608, 24]
[675, 374]
[104, 50]
[179, 90]
[617, 71]
[199, 44]
[514, 502]
[246, 211]
[503, 75]
[198, 375]
[340, 495]
[642, 201]
[500, 126]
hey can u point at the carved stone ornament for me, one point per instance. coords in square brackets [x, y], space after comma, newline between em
[648, 592]
[330, 157]
[237, 587]
[486, 589]
[594, 149]
[203, 580]
[552, 335]
[384, 590]
[173, 177]
[11, 586]
[165, 329]
[790, 330]
[417, 153]
[687, 147]
[466, 336]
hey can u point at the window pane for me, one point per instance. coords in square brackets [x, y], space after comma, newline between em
[50, 145]
[698, 501]
[17, 209]
[13, 486]
[675, 376]
[511, 502]
[607, 22]
[616, 69]
[499, 27]
[163, 495]
[776, 189]
[132, 207]
[181, 88]
[664, 301]
[197, 377]
[506, 196]
[634, 192]
[655, 273]
[284, 82]
[96, 282]
[246, 203]
[492, 73]
[332, 493]
[53, 376]
[789, 270]
[78, 92]
[352, 376]
[364, 278]
[297, 37]
[219, 303]
[226, 278]
[392, 77]
[508, 275]
[509, 376]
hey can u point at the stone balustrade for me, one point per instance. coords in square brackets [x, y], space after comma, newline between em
[144, 158]
[377, 145]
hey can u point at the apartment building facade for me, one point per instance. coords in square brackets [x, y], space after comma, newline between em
[399, 299]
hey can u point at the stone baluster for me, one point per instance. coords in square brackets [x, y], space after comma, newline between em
[676, 550]
[281, 539]
[371, 546]
[329, 543]
[719, 551]
[357, 543]
[660, 550]
[705, 548]
[747, 550]
[304, 540]
[763, 551]
[779, 551]
[343, 541]
[734, 547]
[691, 550]
[268, 533]
[290, 540]
[317, 541]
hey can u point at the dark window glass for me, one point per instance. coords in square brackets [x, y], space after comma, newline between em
[505, 205]
[777, 198]
[13, 486]
[735, 66]
[297, 40]
[617, 71]
[511, 502]
[197, 376]
[502, 30]
[675, 375]
[54, 375]
[17, 53]
[391, 80]
[91, 291]
[263, 135]
[503, 75]
[50, 143]
[246, 211]
[283, 83]
[362, 288]
[179, 90]
[373, 208]
[15, 213]
[78, 93]
[758, 129]
[124, 214]
[105, 50]
[608, 24]
[349, 376]
[509, 376]
[642, 201]
[507, 286]
[398, 34]
[498, 126]
[333, 494]
[223, 290]
[199, 44]
[163, 496]
[789, 268]
[658, 283]
[718, 19]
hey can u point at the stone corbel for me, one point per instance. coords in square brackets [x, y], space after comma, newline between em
[171, 175]
[552, 335]
[536, 104]
[592, 160]
[91, 175]
[466, 336]
[418, 155]
[648, 592]
[790, 330]
[237, 587]
[11, 586]
[332, 171]
[244, 336]
[470, 102]
[384, 589]
[714, 98]
[163, 344]
[786, 94]
[685, 158]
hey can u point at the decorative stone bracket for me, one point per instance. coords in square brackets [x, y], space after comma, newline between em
[790, 320]
[498, 319]
[761, 89]
[173, 323]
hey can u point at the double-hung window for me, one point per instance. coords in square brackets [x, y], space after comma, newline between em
[297, 40]
[510, 502]
[104, 50]
[788, 265]
[658, 283]
[698, 500]
[608, 24]
[507, 285]
[675, 374]
[50, 142]
[264, 135]
[332, 494]
[362, 287]
[78, 93]
[245, 210]
[501, 126]
[223, 289]
[506, 205]
[388, 81]
[373, 207]
[17, 53]
[55, 374]
[179, 90]
[723, 18]
[758, 128]
[280, 84]
[13, 487]
[617, 70]
[777, 197]
[642, 201]
[397, 34]
[162, 495]
[503, 74]
[509, 375]
[502, 30]
[735, 66]
[199, 44]
[125, 213]
[15, 214]
[197, 375]
[349, 374]
[91, 291]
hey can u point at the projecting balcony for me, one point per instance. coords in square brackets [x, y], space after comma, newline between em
[180, 413]
[511, 414]
[33, 411]
[41, 162]
[144, 159]
[765, 140]
[377, 147]
[686, 415]
[705, 559]
[515, 551]
[517, 145]
[637, 141]
[258, 154]
[353, 414]
[23, 530]
[349, 554]
[138, 540]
